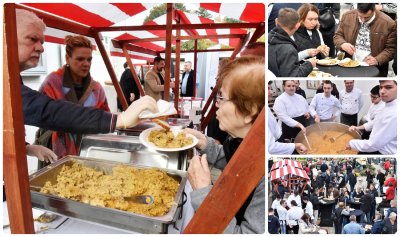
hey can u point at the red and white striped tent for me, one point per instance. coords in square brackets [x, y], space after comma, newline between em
[288, 170]
[110, 14]
[286, 162]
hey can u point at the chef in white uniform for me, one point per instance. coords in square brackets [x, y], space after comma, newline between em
[292, 111]
[383, 138]
[275, 132]
[352, 102]
[325, 107]
[376, 107]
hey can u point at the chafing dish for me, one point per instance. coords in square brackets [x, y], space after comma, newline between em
[102, 215]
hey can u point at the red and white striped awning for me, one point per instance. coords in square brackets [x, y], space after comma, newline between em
[89, 14]
[249, 12]
[285, 162]
[288, 170]
[187, 18]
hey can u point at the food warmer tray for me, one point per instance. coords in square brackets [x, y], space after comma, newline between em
[103, 215]
[128, 149]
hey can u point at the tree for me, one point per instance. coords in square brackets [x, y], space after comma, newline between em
[203, 12]
[161, 10]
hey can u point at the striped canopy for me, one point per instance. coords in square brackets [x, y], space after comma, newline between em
[288, 170]
[285, 162]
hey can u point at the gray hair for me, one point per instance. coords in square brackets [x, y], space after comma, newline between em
[25, 17]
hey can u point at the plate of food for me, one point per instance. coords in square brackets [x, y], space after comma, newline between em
[160, 139]
[328, 61]
[319, 74]
[347, 62]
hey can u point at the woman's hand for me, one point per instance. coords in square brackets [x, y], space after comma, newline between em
[198, 172]
[130, 117]
[312, 52]
[41, 152]
[200, 136]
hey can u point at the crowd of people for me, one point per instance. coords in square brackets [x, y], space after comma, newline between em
[295, 114]
[362, 191]
[299, 34]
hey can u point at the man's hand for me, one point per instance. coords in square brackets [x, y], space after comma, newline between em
[317, 119]
[132, 97]
[130, 117]
[350, 49]
[302, 149]
[198, 172]
[41, 152]
[371, 60]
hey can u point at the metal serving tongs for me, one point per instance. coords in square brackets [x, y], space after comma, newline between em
[141, 199]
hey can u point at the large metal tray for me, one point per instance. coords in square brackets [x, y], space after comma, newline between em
[128, 149]
[102, 215]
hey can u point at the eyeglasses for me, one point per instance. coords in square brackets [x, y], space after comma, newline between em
[220, 98]
[374, 97]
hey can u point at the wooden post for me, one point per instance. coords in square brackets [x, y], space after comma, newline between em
[177, 64]
[15, 168]
[195, 68]
[107, 62]
[239, 178]
[132, 68]
[168, 45]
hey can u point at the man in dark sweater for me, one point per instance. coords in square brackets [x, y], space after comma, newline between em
[283, 59]
[273, 222]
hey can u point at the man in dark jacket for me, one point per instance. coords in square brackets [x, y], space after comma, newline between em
[283, 59]
[187, 80]
[366, 205]
[381, 178]
[41, 111]
[378, 224]
[128, 86]
[352, 180]
[273, 222]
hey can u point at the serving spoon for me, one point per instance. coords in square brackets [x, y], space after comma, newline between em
[333, 139]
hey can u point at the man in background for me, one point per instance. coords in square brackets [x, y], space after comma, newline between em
[187, 80]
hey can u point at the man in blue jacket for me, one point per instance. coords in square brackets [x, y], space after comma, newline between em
[187, 80]
[41, 111]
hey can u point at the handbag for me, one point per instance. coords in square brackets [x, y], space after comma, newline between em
[326, 19]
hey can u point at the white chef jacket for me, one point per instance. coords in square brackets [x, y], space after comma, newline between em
[297, 199]
[287, 107]
[325, 106]
[275, 204]
[281, 213]
[373, 110]
[309, 210]
[274, 133]
[293, 215]
[351, 102]
[383, 136]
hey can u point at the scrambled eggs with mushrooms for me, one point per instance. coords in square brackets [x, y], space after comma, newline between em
[87, 185]
[166, 139]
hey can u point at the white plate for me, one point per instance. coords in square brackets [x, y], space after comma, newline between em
[165, 108]
[143, 138]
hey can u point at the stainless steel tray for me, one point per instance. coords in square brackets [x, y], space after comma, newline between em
[128, 149]
[102, 215]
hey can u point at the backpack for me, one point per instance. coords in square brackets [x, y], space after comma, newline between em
[326, 19]
[334, 217]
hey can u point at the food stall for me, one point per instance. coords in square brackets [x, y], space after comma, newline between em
[19, 189]
[293, 175]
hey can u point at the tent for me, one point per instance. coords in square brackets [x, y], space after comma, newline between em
[286, 162]
[292, 175]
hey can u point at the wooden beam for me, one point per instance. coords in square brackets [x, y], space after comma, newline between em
[110, 69]
[194, 37]
[195, 68]
[204, 51]
[15, 168]
[237, 49]
[177, 67]
[260, 30]
[168, 45]
[134, 48]
[132, 68]
[175, 27]
[239, 178]
[206, 120]
[60, 23]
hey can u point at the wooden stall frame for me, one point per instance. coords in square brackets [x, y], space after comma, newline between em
[247, 164]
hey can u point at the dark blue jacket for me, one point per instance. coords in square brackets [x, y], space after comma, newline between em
[189, 84]
[41, 111]
[273, 224]
[377, 227]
